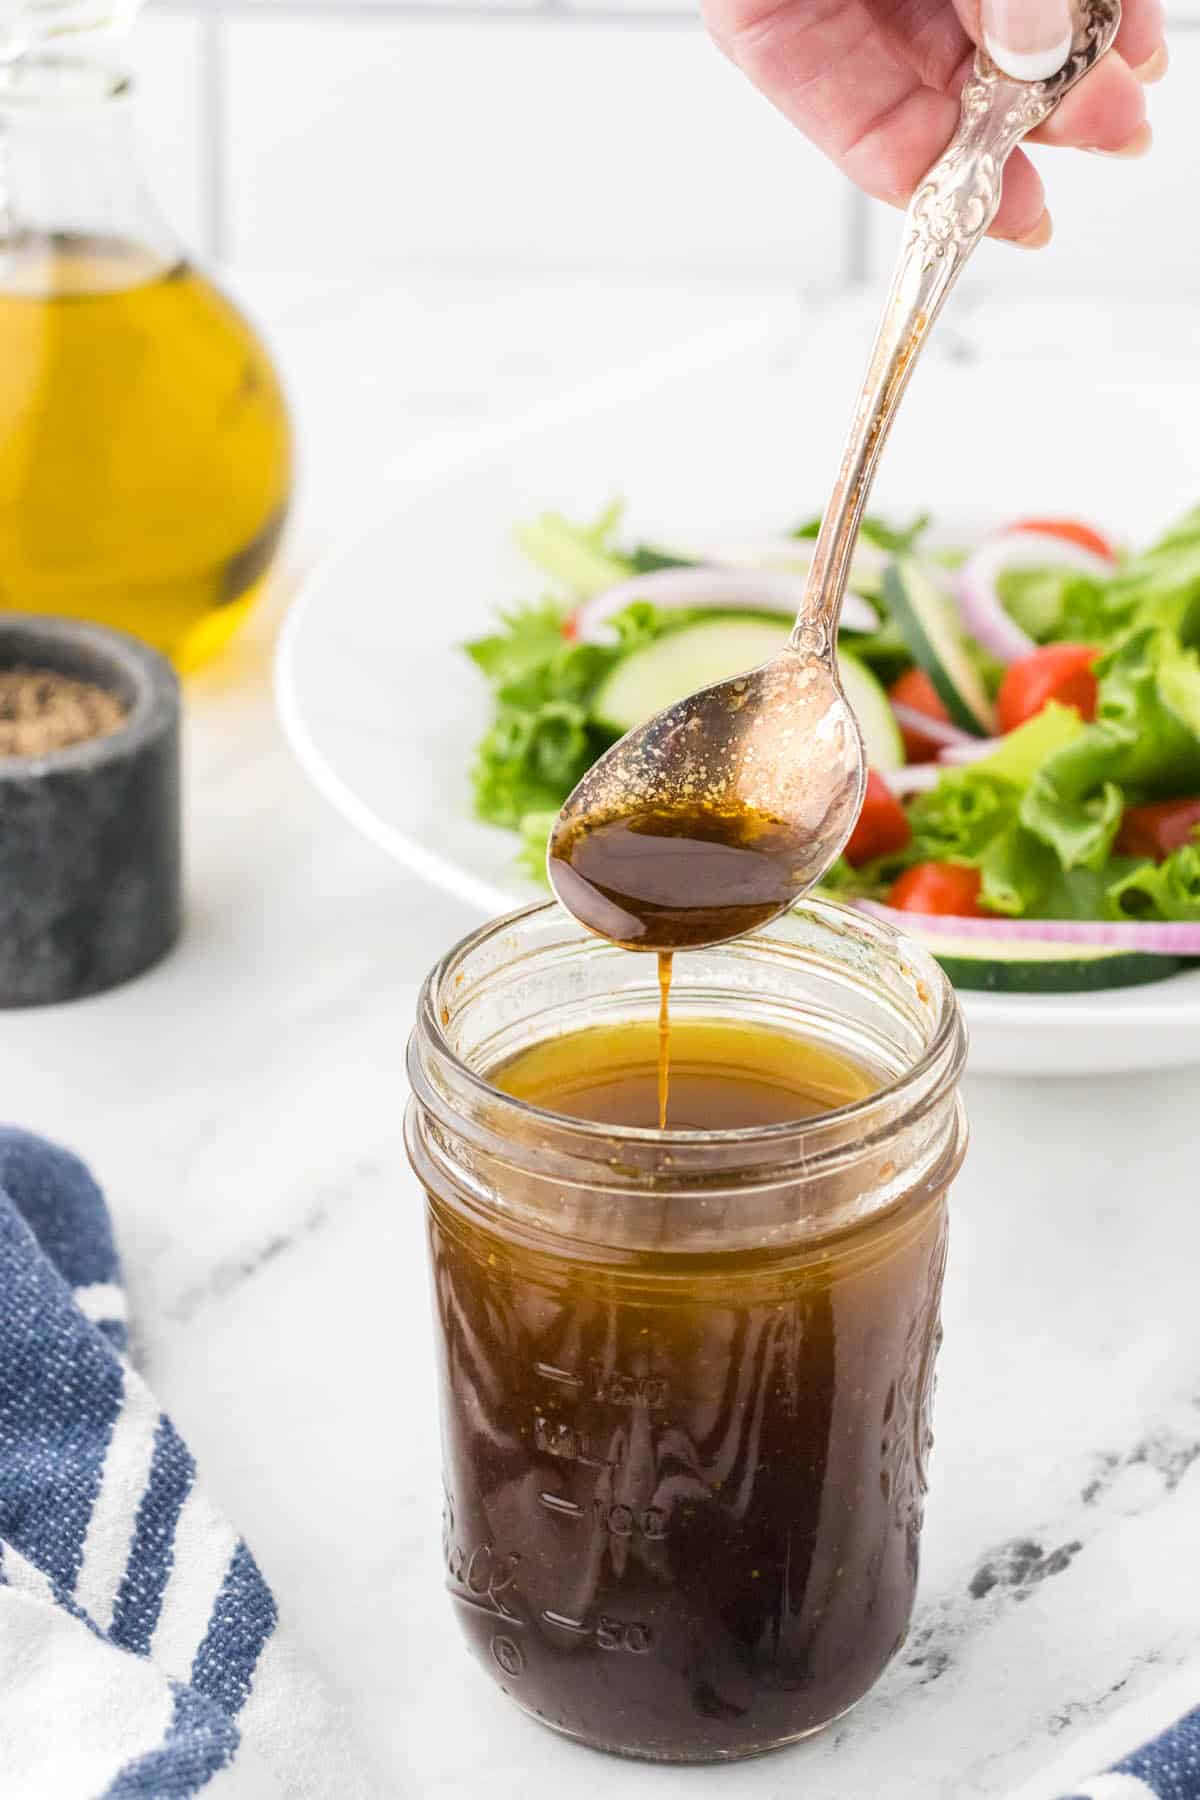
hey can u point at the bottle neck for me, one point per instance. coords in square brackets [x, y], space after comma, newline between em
[75, 215]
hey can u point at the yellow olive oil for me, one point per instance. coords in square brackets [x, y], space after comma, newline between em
[725, 1075]
[145, 450]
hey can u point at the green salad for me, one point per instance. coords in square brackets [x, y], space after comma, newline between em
[1030, 705]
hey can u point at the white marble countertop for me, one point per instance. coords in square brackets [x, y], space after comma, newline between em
[242, 1106]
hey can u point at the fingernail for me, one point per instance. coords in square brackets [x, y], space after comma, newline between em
[1137, 145]
[1039, 237]
[1028, 39]
[1154, 67]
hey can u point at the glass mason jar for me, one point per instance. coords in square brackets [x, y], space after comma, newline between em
[145, 449]
[686, 1376]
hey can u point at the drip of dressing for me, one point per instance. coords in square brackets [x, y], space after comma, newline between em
[665, 963]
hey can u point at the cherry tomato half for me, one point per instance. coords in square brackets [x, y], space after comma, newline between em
[1061, 672]
[1158, 828]
[915, 689]
[1071, 531]
[939, 887]
[882, 824]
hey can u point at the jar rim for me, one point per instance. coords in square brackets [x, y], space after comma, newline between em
[941, 1057]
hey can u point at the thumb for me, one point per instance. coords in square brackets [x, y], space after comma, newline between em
[1029, 39]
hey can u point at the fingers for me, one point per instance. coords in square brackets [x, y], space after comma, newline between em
[883, 107]
[1105, 112]
[890, 162]
[842, 86]
[1022, 218]
[1029, 39]
[1140, 39]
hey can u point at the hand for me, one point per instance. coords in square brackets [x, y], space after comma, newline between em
[874, 83]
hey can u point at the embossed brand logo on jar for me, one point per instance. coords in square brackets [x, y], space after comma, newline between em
[480, 1576]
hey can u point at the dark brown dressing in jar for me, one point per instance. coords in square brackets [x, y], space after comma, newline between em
[684, 1490]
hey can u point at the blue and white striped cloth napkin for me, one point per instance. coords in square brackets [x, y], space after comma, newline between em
[141, 1654]
[1166, 1768]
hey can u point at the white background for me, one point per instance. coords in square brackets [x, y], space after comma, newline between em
[536, 135]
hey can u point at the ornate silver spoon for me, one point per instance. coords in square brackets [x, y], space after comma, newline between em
[711, 818]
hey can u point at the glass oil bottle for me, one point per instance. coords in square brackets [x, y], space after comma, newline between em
[145, 449]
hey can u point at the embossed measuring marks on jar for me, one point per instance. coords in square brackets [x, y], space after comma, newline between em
[606, 1454]
[600, 1455]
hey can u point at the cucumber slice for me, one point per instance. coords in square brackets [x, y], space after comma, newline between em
[712, 650]
[1005, 967]
[926, 617]
[679, 662]
[873, 710]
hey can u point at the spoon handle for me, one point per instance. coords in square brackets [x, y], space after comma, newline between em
[947, 216]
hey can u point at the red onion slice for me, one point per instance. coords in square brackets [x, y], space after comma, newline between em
[939, 731]
[913, 778]
[959, 756]
[729, 590]
[1149, 937]
[979, 602]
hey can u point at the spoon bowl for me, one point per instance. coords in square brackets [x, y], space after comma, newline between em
[709, 820]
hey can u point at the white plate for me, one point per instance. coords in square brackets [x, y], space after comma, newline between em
[384, 711]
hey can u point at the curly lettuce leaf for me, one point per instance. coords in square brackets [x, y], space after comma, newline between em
[1168, 890]
[528, 636]
[543, 737]
[1015, 869]
[1150, 700]
[957, 819]
[973, 813]
[1073, 804]
[1020, 754]
[1146, 738]
[579, 557]
[530, 761]
[1159, 586]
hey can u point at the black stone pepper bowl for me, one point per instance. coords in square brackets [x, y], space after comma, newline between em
[89, 835]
